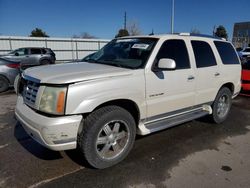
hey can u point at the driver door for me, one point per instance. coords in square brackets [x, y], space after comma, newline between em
[169, 91]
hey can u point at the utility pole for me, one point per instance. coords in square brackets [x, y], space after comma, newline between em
[125, 20]
[172, 18]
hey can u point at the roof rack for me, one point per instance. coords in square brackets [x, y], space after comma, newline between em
[201, 35]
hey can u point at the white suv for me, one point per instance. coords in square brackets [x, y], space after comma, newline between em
[133, 85]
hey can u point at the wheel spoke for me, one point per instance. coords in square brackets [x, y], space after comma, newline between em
[105, 149]
[120, 135]
[107, 130]
[102, 140]
[116, 148]
[116, 127]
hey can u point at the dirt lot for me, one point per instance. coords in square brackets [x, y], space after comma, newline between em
[195, 154]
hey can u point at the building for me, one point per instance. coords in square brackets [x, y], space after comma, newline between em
[241, 34]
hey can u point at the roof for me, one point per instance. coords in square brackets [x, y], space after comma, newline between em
[177, 34]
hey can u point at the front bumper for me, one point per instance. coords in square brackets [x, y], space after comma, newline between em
[55, 133]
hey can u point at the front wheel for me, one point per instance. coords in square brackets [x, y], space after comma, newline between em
[107, 136]
[221, 105]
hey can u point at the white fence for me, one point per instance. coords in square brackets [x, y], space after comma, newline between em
[66, 49]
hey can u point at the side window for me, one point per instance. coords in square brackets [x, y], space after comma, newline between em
[176, 50]
[227, 53]
[44, 51]
[203, 53]
[35, 51]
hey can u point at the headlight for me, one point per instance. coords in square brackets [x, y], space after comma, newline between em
[53, 100]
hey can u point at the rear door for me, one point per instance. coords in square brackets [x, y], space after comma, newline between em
[169, 91]
[208, 73]
[35, 56]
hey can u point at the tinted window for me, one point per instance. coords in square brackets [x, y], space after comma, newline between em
[35, 51]
[43, 51]
[247, 50]
[227, 53]
[203, 53]
[176, 50]
[246, 66]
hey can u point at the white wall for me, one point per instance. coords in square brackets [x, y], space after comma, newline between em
[66, 49]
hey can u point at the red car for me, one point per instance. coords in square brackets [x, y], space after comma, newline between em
[245, 77]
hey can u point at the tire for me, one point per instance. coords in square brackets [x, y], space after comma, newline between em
[4, 84]
[107, 136]
[45, 62]
[221, 105]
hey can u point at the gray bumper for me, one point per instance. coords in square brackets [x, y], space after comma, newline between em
[55, 133]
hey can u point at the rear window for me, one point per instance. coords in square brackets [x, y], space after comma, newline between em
[203, 53]
[227, 53]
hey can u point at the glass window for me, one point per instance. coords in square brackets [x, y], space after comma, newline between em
[227, 52]
[246, 66]
[43, 51]
[203, 53]
[176, 50]
[20, 52]
[131, 53]
[247, 50]
[35, 51]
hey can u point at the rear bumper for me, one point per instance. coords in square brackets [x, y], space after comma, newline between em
[55, 133]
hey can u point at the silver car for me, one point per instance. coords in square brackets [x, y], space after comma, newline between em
[8, 72]
[31, 56]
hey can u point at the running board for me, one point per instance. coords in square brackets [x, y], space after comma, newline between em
[176, 120]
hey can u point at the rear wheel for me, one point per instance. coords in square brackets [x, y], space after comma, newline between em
[45, 62]
[107, 136]
[221, 105]
[4, 84]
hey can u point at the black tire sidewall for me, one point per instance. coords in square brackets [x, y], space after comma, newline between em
[223, 91]
[88, 144]
[45, 62]
[5, 84]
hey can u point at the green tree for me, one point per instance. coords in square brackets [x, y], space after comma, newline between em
[221, 32]
[122, 33]
[37, 32]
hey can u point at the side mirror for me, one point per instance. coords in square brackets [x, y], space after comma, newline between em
[16, 54]
[166, 64]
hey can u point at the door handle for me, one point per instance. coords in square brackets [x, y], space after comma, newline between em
[191, 77]
[217, 74]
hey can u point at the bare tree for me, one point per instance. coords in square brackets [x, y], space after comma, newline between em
[84, 35]
[133, 28]
[195, 31]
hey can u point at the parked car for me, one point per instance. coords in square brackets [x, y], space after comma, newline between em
[139, 84]
[31, 56]
[244, 54]
[8, 72]
[245, 77]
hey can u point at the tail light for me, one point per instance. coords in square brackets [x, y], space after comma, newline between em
[14, 65]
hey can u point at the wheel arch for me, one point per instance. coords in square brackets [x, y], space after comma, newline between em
[229, 85]
[127, 104]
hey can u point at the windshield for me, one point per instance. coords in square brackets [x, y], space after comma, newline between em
[130, 53]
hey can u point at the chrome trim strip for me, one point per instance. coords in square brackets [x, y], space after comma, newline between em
[177, 114]
[26, 77]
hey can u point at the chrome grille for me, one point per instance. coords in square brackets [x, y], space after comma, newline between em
[29, 92]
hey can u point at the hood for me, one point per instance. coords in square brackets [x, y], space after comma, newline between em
[74, 72]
